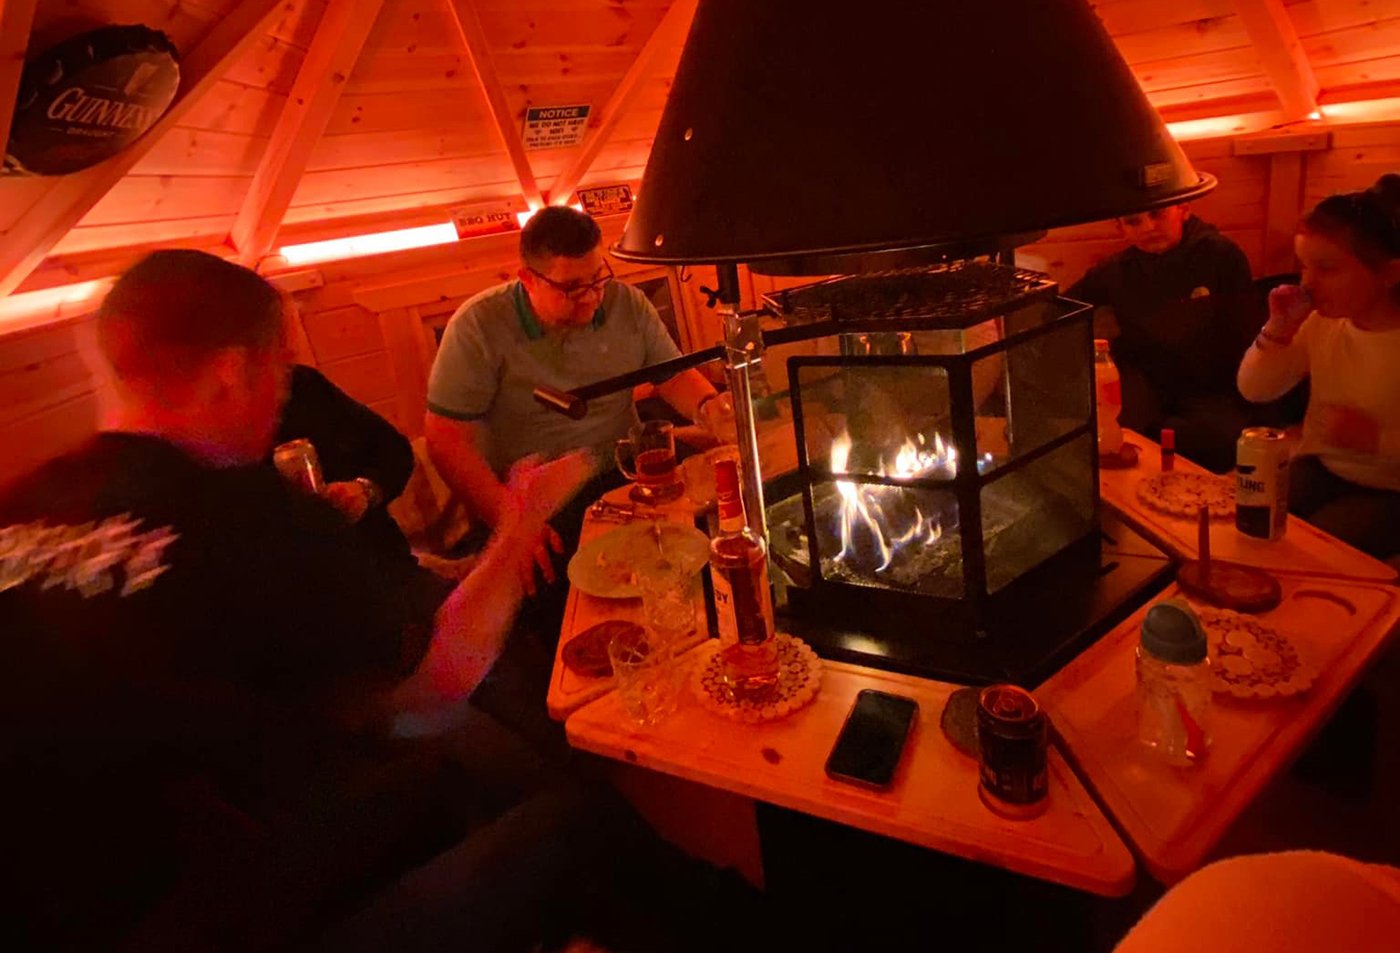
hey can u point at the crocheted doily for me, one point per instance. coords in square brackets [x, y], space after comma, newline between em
[1250, 659]
[799, 677]
[1178, 493]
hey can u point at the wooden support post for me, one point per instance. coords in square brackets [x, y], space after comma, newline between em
[1282, 211]
[64, 201]
[340, 36]
[1281, 53]
[670, 30]
[16, 17]
[474, 38]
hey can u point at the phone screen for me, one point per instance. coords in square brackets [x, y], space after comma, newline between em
[872, 740]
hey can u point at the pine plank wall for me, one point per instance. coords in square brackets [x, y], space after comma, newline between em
[368, 327]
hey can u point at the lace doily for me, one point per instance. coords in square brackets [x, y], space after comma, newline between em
[1249, 659]
[799, 677]
[1178, 493]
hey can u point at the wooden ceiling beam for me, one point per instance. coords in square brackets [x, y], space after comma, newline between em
[66, 199]
[16, 18]
[671, 29]
[1282, 55]
[339, 38]
[474, 39]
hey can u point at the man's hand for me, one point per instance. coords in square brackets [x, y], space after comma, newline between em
[1289, 307]
[349, 497]
[534, 492]
[716, 416]
[1340, 427]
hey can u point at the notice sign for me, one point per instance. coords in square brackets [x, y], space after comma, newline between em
[608, 200]
[488, 219]
[553, 127]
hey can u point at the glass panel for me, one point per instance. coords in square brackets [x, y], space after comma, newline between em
[1032, 393]
[1033, 513]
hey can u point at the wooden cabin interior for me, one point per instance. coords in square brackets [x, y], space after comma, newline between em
[300, 122]
[375, 160]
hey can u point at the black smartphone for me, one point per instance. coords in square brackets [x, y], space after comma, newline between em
[871, 741]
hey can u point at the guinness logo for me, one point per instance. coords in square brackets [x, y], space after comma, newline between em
[90, 97]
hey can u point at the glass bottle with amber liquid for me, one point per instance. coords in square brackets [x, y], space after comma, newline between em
[743, 604]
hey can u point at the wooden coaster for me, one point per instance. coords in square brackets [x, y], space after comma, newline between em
[959, 720]
[586, 654]
[1230, 585]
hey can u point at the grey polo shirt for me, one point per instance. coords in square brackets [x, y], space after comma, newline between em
[495, 352]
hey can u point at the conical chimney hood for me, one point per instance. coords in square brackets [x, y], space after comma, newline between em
[801, 135]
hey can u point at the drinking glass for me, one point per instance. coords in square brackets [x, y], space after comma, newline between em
[644, 666]
[648, 458]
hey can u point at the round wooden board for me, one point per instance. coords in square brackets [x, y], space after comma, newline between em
[1230, 585]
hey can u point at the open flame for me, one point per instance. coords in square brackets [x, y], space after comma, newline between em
[871, 512]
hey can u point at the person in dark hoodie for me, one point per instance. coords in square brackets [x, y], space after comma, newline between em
[1179, 309]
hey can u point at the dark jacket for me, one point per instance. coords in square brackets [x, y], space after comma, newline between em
[1185, 317]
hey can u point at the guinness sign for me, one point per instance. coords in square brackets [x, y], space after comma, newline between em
[89, 97]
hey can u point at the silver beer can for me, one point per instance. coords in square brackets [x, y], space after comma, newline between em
[296, 460]
[1261, 483]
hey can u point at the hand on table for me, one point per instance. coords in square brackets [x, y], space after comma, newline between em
[350, 497]
[1340, 427]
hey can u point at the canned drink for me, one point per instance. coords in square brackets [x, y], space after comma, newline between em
[1011, 741]
[1261, 483]
[296, 460]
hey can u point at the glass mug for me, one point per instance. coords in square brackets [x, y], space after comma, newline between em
[648, 458]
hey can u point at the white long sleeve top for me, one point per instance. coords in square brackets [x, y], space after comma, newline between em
[1349, 367]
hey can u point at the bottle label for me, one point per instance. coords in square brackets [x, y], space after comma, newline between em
[724, 610]
[747, 616]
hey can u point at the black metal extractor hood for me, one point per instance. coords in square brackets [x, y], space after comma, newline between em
[811, 138]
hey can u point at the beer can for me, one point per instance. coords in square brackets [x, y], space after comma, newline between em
[1261, 483]
[1011, 741]
[296, 460]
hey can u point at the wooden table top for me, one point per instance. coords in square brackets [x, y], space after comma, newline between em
[1303, 549]
[933, 801]
[567, 689]
[1175, 816]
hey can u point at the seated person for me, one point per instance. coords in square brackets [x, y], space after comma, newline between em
[217, 732]
[365, 461]
[562, 323]
[1341, 330]
[1178, 311]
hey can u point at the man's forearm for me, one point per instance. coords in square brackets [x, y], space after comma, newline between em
[686, 391]
[468, 632]
[463, 467]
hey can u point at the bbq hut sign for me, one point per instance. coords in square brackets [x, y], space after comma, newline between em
[90, 97]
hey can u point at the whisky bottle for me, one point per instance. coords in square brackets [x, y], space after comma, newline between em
[743, 604]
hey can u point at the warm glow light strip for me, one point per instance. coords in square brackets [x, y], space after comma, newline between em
[523, 217]
[376, 243]
[50, 304]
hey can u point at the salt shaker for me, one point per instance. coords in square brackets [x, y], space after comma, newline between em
[1173, 683]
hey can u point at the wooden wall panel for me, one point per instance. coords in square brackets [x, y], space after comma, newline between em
[338, 333]
[147, 198]
[124, 241]
[234, 107]
[1122, 17]
[367, 150]
[48, 394]
[1358, 157]
[366, 377]
[191, 151]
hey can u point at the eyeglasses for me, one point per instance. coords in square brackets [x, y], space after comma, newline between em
[577, 291]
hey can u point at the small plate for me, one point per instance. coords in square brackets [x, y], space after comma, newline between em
[607, 566]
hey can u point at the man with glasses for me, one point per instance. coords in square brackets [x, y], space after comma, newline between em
[563, 323]
[1178, 307]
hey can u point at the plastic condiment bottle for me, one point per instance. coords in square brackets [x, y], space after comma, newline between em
[1173, 683]
[1108, 394]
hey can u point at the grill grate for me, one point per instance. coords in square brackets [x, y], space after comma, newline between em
[956, 294]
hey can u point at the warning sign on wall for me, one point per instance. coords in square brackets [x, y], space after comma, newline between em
[553, 127]
[607, 200]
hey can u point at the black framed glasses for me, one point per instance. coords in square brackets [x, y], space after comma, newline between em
[577, 291]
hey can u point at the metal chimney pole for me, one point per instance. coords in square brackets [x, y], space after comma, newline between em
[743, 355]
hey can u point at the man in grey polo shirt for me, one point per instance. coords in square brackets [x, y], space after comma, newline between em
[564, 322]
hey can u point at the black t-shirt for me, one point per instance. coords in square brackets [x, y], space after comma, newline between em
[352, 441]
[1185, 317]
[167, 626]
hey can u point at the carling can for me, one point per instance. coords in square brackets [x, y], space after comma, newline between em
[1261, 483]
[296, 460]
[1011, 742]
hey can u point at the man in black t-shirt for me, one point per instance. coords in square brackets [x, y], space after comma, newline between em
[1179, 310]
[218, 729]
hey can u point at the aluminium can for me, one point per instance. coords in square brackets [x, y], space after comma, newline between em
[1012, 735]
[1261, 483]
[296, 460]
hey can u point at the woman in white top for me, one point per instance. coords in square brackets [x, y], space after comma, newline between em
[1341, 328]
